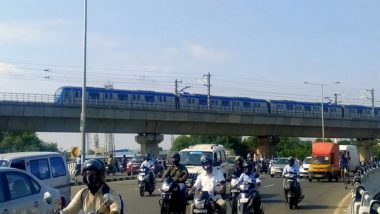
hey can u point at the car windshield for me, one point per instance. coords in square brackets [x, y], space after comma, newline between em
[321, 160]
[192, 158]
[230, 160]
[281, 161]
[307, 161]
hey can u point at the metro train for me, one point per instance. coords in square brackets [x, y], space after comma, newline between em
[116, 98]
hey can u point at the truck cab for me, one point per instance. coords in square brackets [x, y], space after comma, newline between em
[325, 161]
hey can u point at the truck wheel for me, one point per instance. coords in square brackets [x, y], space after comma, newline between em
[330, 178]
[310, 180]
[272, 175]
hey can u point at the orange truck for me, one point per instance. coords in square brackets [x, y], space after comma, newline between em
[325, 161]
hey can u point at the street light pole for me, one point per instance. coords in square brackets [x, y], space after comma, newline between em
[322, 112]
[83, 113]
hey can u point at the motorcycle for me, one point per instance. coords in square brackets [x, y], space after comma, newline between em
[144, 182]
[108, 200]
[292, 190]
[204, 203]
[245, 199]
[170, 201]
[111, 169]
[234, 192]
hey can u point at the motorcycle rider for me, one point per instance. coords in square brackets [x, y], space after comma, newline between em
[238, 169]
[292, 167]
[148, 163]
[344, 163]
[179, 174]
[90, 198]
[208, 180]
[250, 176]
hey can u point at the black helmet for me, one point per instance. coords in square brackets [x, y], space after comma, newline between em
[98, 166]
[176, 158]
[148, 157]
[206, 162]
[291, 160]
[249, 157]
[239, 160]
[248, 167]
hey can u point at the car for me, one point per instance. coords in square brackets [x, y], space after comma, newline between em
[304, 168]
[134, 165]
[278, 166]
[22, 192]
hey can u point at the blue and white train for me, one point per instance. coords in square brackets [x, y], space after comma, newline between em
[68, 95]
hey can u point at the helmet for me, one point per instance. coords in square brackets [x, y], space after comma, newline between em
[248, 167]
[291, 160]
[176, 158]
[249, 157]
[239, 160]
[206, 162]
[98, 166]
[147, 157]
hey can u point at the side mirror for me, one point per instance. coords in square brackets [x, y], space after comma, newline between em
[48, 198]
[108, 199]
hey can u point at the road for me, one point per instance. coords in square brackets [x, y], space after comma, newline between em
[320, 197]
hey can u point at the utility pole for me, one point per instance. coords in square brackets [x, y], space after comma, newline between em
[110, 140]
[372, 100]
[83, 112]
[208, 85]
[176, 93]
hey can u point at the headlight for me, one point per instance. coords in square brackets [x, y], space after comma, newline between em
[234, 182]
[166, 186]
[244, 186]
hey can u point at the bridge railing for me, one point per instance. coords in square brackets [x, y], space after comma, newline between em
[26, 98]
[366, 184]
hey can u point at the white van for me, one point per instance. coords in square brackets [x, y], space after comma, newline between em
[191, 158]
[49, 167]
[353, 155]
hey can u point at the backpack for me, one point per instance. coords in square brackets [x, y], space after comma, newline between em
[106, 189]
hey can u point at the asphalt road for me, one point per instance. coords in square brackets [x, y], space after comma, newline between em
[320, 197]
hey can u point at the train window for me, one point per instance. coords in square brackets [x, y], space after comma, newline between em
[138, 96]
[122, 97]
[289, 107]
[247, 104]
[162, 99]
[78, 94]
[134, 97]
[307, 108]
[108, 95]
[202, 102]
[149, 99]
[93, 95]
[225, 103]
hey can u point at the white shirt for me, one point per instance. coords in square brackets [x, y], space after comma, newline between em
[250, 178]
[207, 182]
[293, 168]
[148, 164]
[78, 160]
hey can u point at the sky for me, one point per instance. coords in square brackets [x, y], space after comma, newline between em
[259, 49]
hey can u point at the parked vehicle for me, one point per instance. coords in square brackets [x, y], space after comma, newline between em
[278, 166]
[304, 168]
[292, 190]
[325, 161]
[170, 201]
[353, 156]
[49, 167]
[22, 192]
[144, 183]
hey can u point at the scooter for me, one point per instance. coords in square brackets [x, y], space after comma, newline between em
[203, 202]
[292, 190]
[144, 183]
[245, 199]
[234, 193]
[170, 201]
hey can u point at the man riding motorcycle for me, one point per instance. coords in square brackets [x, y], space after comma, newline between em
[293, 168]
[209, 179]
[238, 169]
[90, 198]
[179, 174]
[344, 163]
[250, 176]
[148, 163]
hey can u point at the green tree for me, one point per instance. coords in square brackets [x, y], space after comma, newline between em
[376, 151]
[290, 146]
[23, 141]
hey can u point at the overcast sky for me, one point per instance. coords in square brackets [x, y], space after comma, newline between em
[259, 49]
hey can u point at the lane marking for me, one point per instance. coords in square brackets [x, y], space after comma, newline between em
[268, 185]
[343, 204]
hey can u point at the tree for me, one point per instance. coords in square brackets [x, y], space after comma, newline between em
[19, 141]
[290, 146]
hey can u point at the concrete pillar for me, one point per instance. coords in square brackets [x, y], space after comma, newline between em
[365, 148]
[149, 143]
[266, 146]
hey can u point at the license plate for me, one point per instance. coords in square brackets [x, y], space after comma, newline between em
[199, 211]
[318, 176]
[142, 173]
[243, 200]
